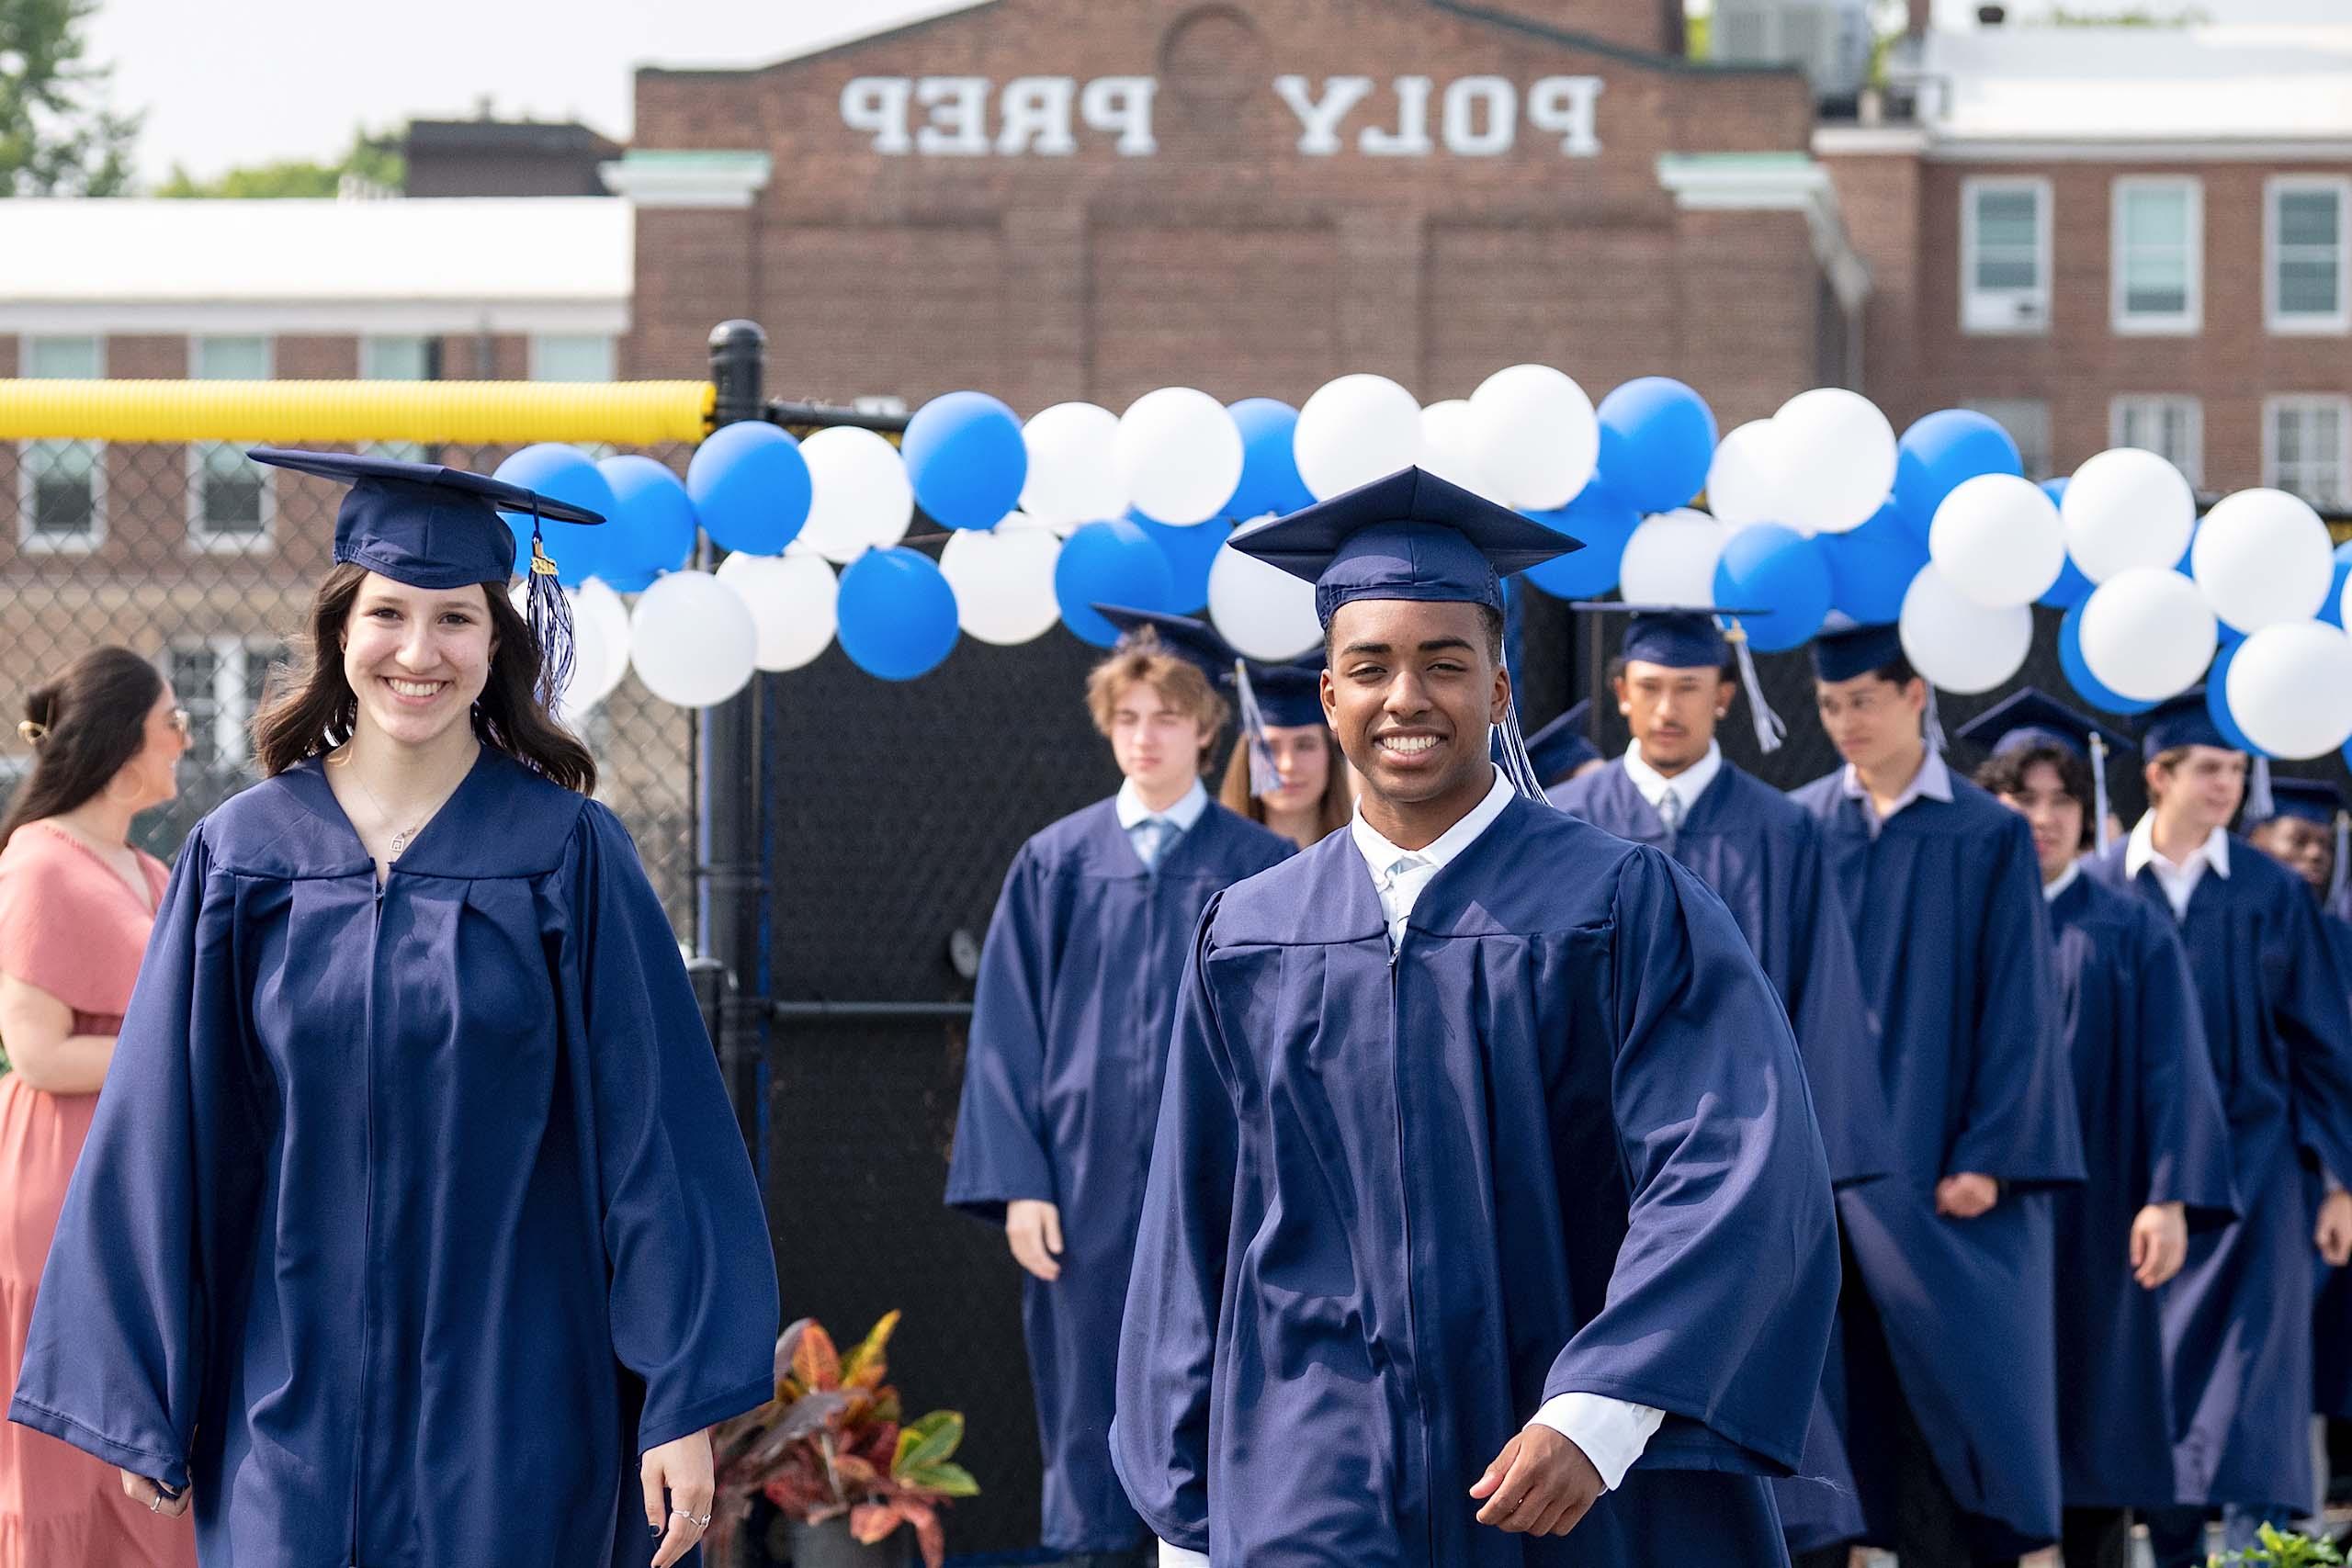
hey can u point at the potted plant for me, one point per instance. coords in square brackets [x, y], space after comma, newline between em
[831, 1452]
[2277, 1550]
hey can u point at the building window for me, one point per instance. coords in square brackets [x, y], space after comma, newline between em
[398, 359]
[2159, 255]
[231, 501]
[2173, 428]
[573, 356]
[2004, 255]
[222, 681]
[2309, 287]
[2028, 421]
[60, 485]
[2304, 442]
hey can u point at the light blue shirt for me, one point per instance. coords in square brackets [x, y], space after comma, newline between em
[1151, 842]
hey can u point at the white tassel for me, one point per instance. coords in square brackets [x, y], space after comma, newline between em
[2342, 872]
[1935, 725]
[1264, 776]
[2259, 805]
[1769, 730]
[2098, 789]
[1516, 765]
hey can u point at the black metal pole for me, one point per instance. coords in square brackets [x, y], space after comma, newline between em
[732, 895]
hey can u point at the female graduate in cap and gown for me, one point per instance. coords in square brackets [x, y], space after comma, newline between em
[1488, 1204]
[1079, 978]
[1948, 1396]
[413, 1227]
[2155, 1145]
[2238, 1318]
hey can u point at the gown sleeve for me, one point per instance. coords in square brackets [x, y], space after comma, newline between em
[692, 1298]
[160, 1211]
[1000, 1151]
[2019, 1120]
[2187, 1131]
[1160, 1437]
[2315, 1017]
[1718, 1309]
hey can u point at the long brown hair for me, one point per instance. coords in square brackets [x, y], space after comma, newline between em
[318, 710]
[84, 724]
[1331, 812]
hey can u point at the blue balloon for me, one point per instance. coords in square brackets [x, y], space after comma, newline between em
[1269, 480]
[628, 580]
[1600, 520]
[1871, 568]
[1190, 552]
[965, 459]
[653, 529]
[2344, 550]
[1658, 438]
[1768, 567]
[1942, 452]
[1109, 563]
[2078, 674]
[896, 614]
[561, 473]
[2331, 612]
[2216, 701]
[749, 486]
[2071, 588]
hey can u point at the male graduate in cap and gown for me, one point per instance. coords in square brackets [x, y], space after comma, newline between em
[2155, 1145]
[1488, 1204]
[1675, 681]
[1950, 1411]
[413, 1227]
[2238, 1319]
[1079, 977]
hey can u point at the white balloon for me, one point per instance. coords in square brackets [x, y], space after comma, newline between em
[1997, 539]
[1352, 431]
[1957, 643]
[597, 605]
[2290, 688]
[791, 599]
[1003, 578]
[1263, 610]
[596, 665]
[1538, 437]
[1747, 480]
[2126, 509]
[1073, 466]
[1671, 560]
[693, 639]
[1450, 444]
[859, 496]
[2263, 557]
[2147, 634]
[1180, 455]
[1837, 458]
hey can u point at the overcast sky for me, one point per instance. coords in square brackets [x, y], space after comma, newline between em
[229, 82]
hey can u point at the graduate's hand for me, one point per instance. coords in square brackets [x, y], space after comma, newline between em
[1035, 1230]
[679, 1486]
[2159, 1243]
[2334, 1233]
[1539, 1485]
[145, 1493]
[1967, 1195]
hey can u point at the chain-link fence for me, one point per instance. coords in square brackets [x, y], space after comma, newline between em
[205, 562]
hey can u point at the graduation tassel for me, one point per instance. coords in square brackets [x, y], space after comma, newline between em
[2338, 878]
[550, 617]
[1769, 730]
[2098, 789]
[1516, 765]
[1264, 777]
[1935, 725]
[2259, 807]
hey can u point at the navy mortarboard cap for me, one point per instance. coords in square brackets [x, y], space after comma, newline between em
[1845, 648]
[1196, 641]
[2032, 717]
[1290, 695]
[2183, 720]
[1561, 746]
[1409, 536]
[421, 524]
[2313, 800]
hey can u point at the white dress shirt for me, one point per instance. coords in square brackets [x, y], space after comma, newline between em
[1932, 782]
[1179, 817]
[1686, 786]
[2178, 880]
[2062, 881]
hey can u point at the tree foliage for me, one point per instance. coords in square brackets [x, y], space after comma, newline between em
[373, 159]
[58, 135]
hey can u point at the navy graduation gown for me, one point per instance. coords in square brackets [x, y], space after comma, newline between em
[408, 1219]
[2237, 1318]
[2153, 1132]
[2332, 1319]
[1954, 947]
[1079, 979]
[1561, 1142]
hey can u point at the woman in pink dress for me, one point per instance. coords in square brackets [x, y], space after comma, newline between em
[76, 902]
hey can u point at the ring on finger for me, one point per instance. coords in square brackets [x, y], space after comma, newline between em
[698, 1521]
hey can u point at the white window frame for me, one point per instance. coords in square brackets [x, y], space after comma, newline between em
[200, 538]
[2006, 312]
[2340, 322]
[2190, 319]
[535, 369]
[2341, 406]
[2120, 406]
[29, 541]
[2048, 456]
[230, 739]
